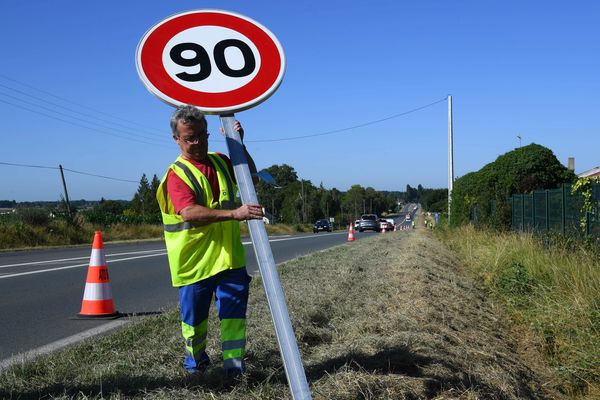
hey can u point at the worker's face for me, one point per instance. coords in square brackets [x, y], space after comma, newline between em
[192, 140]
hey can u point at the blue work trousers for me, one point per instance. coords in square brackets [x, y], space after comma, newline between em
[230, 289]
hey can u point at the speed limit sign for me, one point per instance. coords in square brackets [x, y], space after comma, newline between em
[218, 61]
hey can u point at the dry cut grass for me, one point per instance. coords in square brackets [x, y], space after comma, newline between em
[385, 317]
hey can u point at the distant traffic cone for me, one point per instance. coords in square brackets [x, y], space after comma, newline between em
[351, 232]
[97, 297]
[382, 228]
[394, 227]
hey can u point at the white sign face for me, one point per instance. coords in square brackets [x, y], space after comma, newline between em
[219, 61]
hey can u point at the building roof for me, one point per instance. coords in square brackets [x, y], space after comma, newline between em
[592, 172]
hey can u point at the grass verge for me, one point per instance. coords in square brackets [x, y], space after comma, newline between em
[553, 292]
[386, 317]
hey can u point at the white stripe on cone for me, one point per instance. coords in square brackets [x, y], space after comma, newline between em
[97, 291]
[97, 259]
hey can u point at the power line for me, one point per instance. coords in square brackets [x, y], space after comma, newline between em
[70, 170]
[99, 176]
[253, 141]
[128, 131]
[263, 140]
[76, 124]
[137, 125]
[351, 127]
[26, 165]
[70, 116]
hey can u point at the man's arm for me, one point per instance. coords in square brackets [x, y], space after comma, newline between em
[198, 213]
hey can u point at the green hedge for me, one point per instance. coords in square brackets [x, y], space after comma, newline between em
[482, 196]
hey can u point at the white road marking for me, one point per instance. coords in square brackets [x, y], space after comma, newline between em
[75, 258]
[161, 253]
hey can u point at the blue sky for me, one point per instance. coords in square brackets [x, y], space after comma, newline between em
[70, 93]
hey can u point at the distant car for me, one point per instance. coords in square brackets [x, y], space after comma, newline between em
[391, 223]
[407, 217]
[369, 222]
[384, 224]
[321, 225]
[357, 224]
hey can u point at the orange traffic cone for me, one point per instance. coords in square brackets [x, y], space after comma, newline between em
[97, 297]
[351, 232]
[382, 228]
[394, 227]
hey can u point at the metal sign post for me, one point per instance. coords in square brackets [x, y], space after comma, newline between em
[262, 249]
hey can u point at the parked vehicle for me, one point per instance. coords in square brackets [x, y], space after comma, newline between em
[357, 224]
[321, 225]
[369, 222]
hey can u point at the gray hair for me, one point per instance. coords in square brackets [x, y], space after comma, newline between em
[187, 114]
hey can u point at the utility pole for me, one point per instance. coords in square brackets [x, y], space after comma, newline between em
[62, 175]
[519, 137]
[303, 208]
[273, 208]
[450, 156]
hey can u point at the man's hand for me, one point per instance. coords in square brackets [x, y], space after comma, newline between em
[238, 128]
[248, 211]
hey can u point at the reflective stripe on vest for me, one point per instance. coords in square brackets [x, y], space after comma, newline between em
[197, 189]
[220, 165]
[182, 226]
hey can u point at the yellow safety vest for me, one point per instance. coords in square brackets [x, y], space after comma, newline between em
[195, 250]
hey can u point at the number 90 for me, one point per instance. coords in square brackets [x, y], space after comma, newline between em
[202, 59]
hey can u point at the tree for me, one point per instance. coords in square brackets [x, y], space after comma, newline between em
[352, 202]
[140, 202]
[519, 171]
[272, 197]
[150, 200]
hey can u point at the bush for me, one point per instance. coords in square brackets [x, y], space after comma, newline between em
[33, 216]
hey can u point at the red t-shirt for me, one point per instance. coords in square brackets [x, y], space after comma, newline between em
[182, 195]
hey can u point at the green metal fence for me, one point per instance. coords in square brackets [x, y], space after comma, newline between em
[555, 210]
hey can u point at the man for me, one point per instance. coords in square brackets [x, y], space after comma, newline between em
[202, 235]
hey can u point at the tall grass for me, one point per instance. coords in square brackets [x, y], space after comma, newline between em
[36, 229]
[552, 290]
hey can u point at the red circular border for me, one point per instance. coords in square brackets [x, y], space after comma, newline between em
[152, 65]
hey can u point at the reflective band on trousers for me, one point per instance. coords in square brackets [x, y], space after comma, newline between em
[97, 291]
[195, 342]
[233, 344]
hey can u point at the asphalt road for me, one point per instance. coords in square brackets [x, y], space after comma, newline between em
[41, 290]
